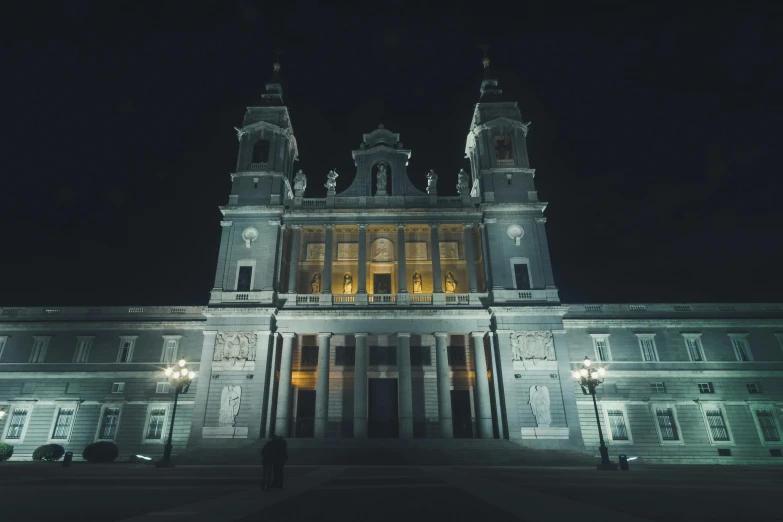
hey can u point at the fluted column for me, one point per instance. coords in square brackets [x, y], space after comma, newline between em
[402, 279]
[293, 265]
[279, 258]
[327, 285]
[322, 386]
[444, 386]
[360, 387]
[283, 420]
[470, 258]
[362, 288]
[404, 391]
[484, 413]
[437, 281]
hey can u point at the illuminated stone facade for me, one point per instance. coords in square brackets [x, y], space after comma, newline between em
[383, 310]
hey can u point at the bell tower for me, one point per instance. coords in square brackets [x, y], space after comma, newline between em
[501, 176]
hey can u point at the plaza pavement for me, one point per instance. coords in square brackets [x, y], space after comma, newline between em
[142, 493]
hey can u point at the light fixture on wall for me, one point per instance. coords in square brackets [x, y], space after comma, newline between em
[515, 232]
[250, 234]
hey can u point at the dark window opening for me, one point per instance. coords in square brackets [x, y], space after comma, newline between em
[421, 356]
[309, 356]
[522, 276]
[261, 152]
[245, 275]
[345, 356]
[503, 148]
[457, 356]
[383, 356]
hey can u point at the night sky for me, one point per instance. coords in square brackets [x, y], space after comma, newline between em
[655, 135]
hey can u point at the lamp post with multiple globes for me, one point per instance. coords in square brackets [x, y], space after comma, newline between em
[180, 377]
[589, 379]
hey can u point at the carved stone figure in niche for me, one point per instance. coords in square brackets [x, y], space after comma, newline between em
[381, 186]
[315, 283]
[235, 347]
[503, 147]
[539, 403]
[462, 182]
[382, 250]
[432, 182]
[229, 405]
[532, 346]
[416, 283]
[347, 284]
[331, 182]
[300, 183]
[451, 283]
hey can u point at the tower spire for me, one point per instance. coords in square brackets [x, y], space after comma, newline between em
[490, 92]
[274, 90]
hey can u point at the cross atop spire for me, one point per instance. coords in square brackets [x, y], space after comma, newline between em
[490, 92]
[274, 90]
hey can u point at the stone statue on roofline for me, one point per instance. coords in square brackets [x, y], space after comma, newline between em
[300, 184]
[331, 182]
[432, 183]
[462, 183]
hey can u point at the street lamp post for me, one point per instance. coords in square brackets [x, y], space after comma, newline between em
[180, 377]
[589, 379]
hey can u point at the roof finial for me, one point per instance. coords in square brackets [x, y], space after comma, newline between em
[276, 65]
[485, 60]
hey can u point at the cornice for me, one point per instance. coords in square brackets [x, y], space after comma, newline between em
[504, 311]
[674, 322]
[256, 174]
[240, 312]
[388, 314]
[252, 210]
[537, 206]
[247, 129]
[76, 325]
[427, 214]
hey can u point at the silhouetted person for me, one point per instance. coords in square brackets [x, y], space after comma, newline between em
[266, 463]
[279, 456]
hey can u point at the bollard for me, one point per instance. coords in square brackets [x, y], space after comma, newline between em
[623, 462]
[68, 458]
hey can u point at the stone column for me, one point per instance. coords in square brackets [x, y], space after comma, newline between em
[279, 258]
[270, 385]
[293, 265]
[485, 257]
[223, 254]
[404, 391]
[484, 413]
[283, 420]
[327, 281]
[362, 287]
[360, 387]
[322, 386]
[437, 280]
[202, 384]
[543, 248]
[470, 259]
[444, 385]
[402, 278]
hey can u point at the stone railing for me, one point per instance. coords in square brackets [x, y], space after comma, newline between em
[305, 299]
[313, 203]
[517, 296]
[343, 299]
[219, 296]
[259, 166]
[420, 299]
[457, 299]
[384, 202]
[505, 163]
[382, 298]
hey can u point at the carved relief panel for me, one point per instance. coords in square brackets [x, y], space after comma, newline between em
[235, 351]
[533, 350]
[382, 250]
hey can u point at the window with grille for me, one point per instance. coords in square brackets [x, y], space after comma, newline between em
[706, 387]
[309, 356]
[667, 424]
[17, 423]
[155, 424]
[753, 387]
[421, 356]
[741, 348]
[769, 431]
[383, 356]
[63, 424]
[109, 421]
[617, 425]
[657, 387]
[162, 387]
[83, 346]
[601, 348]
[344, 356]
[647, 345]
[695, 351]
[118, 387]
[717, 424]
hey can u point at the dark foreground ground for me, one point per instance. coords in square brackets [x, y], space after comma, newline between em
[48, 492]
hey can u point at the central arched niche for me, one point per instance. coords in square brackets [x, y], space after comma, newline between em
[381, 177]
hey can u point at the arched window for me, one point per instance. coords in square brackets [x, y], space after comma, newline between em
[260, 152]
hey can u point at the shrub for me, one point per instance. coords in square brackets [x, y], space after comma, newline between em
[103, 451]
[6, 450]
[48, 452]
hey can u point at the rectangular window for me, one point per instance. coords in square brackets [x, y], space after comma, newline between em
[344, 356]
[244, 278]
[309, 357]
[118, 387]
[753, 387]
[657, 387]
[83, 346]
[63, 423]
[109, 422]
[647, 346]
[695, 351]
[383, 356]
[456, 356]
[667, 424]
[3, 340]
[125, 354]
[155, 424]
[40, 344]
[17, 424]
[617, 426]
[706, 387]
[717, 425]
[170, 347]
[601, 345]
[521, 276]
[769, 431]
[162, 387]
[421, 356]
[741, 348]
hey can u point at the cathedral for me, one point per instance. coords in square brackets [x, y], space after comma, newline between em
[384, 311]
